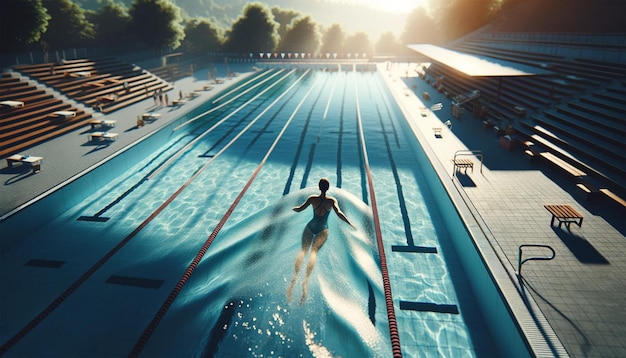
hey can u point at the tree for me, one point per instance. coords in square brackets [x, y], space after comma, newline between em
[301, 36]
[111, 23]
[201, 37]
[388, 45]
[460, 17]
[284, 18]
[333, 40]
[68, 26]
[255, 31]
[420, 28]
[358, 43]
[156, 23]
[21, 23]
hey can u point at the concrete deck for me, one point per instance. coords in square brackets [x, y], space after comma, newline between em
[73, 153]
[581, 291]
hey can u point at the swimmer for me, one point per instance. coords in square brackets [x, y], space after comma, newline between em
[315, 233]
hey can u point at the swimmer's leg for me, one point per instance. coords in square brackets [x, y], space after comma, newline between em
[307, 236]
[317, 244]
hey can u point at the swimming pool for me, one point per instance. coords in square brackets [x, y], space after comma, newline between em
[139, 233]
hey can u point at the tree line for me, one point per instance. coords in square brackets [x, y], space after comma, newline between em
[27, 25]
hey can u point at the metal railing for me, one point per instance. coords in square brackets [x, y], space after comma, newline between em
[520, 262]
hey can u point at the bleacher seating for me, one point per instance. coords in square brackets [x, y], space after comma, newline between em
[34, 123]
[578, 113]
[170, 72]
[103, 84]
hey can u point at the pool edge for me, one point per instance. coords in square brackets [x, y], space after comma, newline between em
[539, 336]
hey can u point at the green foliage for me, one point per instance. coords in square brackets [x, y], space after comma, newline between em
[159, 23]
[333, 39]
[461, 17]
[68, 27]
[201, 37]
[21, 23]
[420, 28]
[454, 18]
[111, 23]
[387, 44]
[156, 23]
[255, 31]
[301, 36]
[284, 18]
[358, 43]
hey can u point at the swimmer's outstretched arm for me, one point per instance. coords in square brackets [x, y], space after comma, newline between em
[303, 205]
[340, 213]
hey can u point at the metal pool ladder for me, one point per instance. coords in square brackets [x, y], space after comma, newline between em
[520, 262]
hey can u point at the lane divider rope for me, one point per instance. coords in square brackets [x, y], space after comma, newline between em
[219, 123]
[85, 276]
[391, 315]
[225, 103]
[143, 340]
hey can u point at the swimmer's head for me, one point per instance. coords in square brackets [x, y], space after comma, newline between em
[324, 185]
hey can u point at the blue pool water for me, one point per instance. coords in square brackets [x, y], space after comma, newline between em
[235, 303]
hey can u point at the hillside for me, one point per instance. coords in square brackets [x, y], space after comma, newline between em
[352, 17]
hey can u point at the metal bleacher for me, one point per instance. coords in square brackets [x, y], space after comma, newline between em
[577, 112]
[35, 122]
[104, 84]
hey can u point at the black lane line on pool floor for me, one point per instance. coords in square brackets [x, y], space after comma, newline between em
[156, 320]
[394, 170]
[429, 307]
[403, 209]
[394, 335]
[98, 216]
[414, 249]
[230, 131]
[44, 263]
[264, 129]
[95, 267]
[217, 124]
[408, 305]
[305, 130]
[135, 281]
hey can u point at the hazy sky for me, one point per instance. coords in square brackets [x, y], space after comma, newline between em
[391, 6]
[373, 17]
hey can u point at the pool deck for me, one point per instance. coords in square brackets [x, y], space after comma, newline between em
[581, 292]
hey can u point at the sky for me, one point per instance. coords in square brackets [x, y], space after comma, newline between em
[390, 6]
[374, 17]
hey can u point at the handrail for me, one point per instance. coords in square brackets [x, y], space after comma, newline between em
[520, 262]
[475, 153]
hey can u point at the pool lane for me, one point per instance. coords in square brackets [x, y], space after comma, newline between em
[153, 212]
[326, 143]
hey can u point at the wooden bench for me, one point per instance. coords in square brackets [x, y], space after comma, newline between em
[572, 170]
[587, 190]
[611, 195]
[94, 123]
[102, 136]
[32, 161]
[42, 133]
[564, 214]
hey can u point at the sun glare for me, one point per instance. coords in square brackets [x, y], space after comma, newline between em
[391, 6]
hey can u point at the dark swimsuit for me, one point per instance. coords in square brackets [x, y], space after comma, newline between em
[318, 223]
